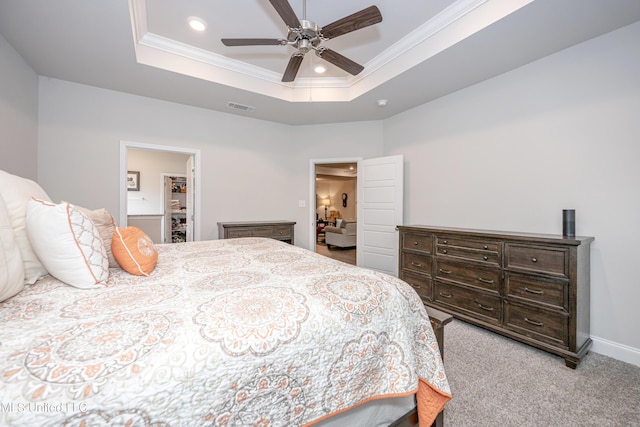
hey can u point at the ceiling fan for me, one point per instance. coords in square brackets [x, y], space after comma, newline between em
[307, 35]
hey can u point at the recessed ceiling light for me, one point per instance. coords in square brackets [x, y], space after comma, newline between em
[197, 23]
[382, 103]
[320, 69]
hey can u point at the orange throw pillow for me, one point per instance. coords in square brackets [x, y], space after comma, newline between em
[134, 251]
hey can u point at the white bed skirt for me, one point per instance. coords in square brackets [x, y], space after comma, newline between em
[377, 413]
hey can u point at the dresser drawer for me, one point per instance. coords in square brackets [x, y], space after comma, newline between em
[279, 230]
[261, 232]
[466, 254]
[283, 232]
[479, 304]
[543, 325]
[538, 259]
[553, 292]
[421, 283]
[487, 278]
[416, 262]
[239, 232]
[417, 242]
[485, 245]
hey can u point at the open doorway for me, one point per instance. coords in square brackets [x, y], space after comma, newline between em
[379, 210]
[335, 223]
[148, 202]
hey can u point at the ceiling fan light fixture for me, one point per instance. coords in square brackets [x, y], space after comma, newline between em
[320, 69]
[306, 35]
[196, 23]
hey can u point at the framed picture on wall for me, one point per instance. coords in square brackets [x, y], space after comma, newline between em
[133, 181]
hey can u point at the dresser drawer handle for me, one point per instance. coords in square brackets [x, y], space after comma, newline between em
[534, 323]
[444, 251]
[533, 291]
[486, 247]
[416, 264]
[445, 295]
[444, 271]
[534, 259]
[445, 242]
[416, 243]
[485, 257]
[484, 307]
[488, 281]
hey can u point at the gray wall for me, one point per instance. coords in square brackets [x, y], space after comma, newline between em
[512, 152]
[18, 114]
[251, 169]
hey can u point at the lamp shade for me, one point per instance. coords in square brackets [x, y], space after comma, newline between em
[326, 202]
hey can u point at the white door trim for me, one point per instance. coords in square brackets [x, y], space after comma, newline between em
[126, 145]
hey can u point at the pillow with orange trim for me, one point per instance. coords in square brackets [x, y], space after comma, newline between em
[106, 225]
[134, 251]
[67, 243]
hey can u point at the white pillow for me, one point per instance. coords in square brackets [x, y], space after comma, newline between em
[68, 244]
[16, 192]
[11, 268]
[338, 223]
[106, 225]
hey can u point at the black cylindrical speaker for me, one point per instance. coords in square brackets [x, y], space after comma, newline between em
[569, 222]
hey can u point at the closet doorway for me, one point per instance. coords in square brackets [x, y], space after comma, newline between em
[177, 209]
[149, 206]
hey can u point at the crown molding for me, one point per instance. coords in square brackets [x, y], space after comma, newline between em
[453, 24]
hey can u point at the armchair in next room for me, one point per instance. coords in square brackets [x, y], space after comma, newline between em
[342, 235]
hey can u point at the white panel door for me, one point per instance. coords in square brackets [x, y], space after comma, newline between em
[380, 210]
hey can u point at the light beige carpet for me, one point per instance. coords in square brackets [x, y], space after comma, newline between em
[496, 381]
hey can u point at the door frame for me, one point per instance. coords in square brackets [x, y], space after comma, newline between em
[312, 192]
[124, 157]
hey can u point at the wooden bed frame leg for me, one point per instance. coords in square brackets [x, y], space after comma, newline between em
[438, 321]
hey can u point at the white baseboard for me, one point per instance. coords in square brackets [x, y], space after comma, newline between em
[615, 350]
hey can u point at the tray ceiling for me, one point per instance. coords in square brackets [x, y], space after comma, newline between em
[419, 52]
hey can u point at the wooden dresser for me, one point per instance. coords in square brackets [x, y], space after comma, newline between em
[279, 230]
[530, 287]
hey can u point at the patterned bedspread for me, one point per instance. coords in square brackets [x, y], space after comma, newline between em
[240, 332]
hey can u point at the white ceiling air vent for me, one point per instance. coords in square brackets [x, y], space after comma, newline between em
[240, 107]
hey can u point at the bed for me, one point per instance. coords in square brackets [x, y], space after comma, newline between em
[237, 332]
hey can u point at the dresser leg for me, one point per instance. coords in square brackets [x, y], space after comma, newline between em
[571, 363]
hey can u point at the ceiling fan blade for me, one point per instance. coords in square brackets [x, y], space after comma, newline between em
[286, 12]
[253, 42]
[356, 21]
[292, 67]
[340, 61]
